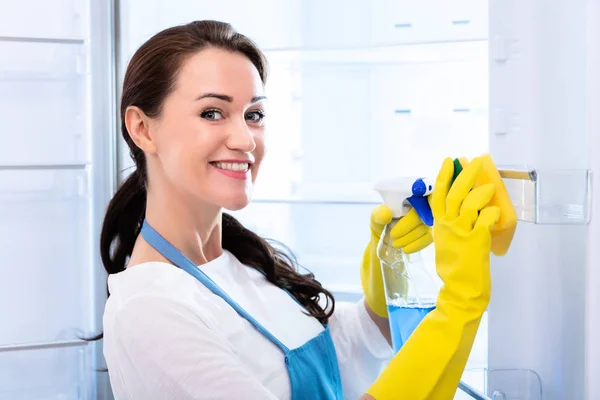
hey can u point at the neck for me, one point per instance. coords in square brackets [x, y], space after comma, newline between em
[194, 229]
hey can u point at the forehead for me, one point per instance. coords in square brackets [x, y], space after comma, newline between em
[219, 71]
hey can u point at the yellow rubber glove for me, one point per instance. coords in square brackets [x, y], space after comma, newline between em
[410, 234]
[432, 360]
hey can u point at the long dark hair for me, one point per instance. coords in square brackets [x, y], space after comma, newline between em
[150, 77]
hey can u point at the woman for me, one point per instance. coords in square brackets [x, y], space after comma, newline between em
[200, 307]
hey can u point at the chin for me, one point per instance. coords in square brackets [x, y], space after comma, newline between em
[236, 204]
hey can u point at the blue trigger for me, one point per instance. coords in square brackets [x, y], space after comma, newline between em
[420, 190]
[421, 206]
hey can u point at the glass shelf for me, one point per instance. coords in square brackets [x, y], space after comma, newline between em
[31, 39]
[324, 200]
[551, 197]
[377, 46]
[51, 371]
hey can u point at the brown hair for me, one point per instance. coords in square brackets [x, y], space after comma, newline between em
[150, 77]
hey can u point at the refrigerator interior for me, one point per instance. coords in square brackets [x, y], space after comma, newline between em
[358, 91]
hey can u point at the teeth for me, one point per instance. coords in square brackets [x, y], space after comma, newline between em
[232, 166]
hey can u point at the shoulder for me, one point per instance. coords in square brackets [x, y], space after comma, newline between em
[147, 279]
[142, 290]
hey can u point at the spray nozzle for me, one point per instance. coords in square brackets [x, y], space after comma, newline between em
[402, 194]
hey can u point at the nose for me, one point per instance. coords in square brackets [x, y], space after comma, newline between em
[241, 137]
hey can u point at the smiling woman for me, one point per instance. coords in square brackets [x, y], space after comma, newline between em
[201, 307]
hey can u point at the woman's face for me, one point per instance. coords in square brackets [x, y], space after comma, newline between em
[209, 136]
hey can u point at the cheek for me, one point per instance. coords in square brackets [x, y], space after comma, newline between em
[261, 147]
[259, 153]
[183, 158]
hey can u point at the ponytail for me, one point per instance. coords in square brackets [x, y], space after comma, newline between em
[122, 222]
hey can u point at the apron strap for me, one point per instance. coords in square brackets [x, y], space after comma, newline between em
[171, 253]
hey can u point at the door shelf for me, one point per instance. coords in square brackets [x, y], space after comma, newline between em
[45, 85]
[550, 196]
[45, 218]
[64, 19]
[505, 384]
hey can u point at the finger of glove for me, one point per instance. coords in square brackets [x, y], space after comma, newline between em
[440, 190]
[417, 244]
[488, 217]
[463, 162]
[475, 201]
[380, 217]
[411, 236]
[461, 188]
[406, 224]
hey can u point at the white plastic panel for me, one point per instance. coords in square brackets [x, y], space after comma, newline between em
[45, 255]
[63, 19]
[273, 24]
[270, 23]
[332, 148]
[404, 21]
[537, 312]
[48, 374]
[42, 104]
[427, 110]
[335, 23]
[464, 20]
[412, 21]
[592, 308]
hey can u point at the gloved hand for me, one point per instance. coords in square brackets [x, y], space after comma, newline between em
[431, 362]
[410, 234]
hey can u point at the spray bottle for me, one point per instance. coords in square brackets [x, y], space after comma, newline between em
[411, 284]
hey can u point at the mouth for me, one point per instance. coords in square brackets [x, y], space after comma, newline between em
[231, 166]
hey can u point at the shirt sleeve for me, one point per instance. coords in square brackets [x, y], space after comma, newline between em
[162, 350]
[361, 349]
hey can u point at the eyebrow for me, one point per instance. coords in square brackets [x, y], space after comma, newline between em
[227, 98]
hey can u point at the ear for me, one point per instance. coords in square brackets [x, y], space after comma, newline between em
[138, 126]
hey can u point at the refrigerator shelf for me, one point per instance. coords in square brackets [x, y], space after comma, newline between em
[27, 39]
[550, 196]
[506, 384]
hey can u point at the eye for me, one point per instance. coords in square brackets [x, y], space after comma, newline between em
[212, 115]
[256, 116]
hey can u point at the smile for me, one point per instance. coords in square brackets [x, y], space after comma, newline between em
[232, 166]
[232, 169]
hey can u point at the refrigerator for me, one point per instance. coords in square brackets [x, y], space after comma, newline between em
[359, 90]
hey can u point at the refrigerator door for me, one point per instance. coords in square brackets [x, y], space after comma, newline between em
[56, 176]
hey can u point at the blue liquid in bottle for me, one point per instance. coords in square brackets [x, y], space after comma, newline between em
[403, 321]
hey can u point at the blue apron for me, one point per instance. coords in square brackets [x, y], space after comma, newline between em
[313, 367]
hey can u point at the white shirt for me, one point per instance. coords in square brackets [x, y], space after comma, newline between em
[166, 336]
